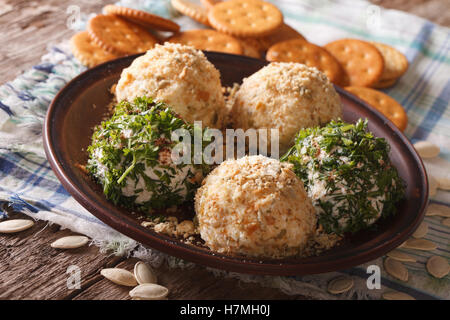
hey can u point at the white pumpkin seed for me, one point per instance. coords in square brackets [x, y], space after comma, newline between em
[395, 295]
[446, 222]
[443, 182]
[70, 242]
[119, 276]
[432, 186]
[438, 210]
[144, 274]
[149, 291]
[16, 225]
[340, 285]
[396, 269]
[426, 149]
[420, 244]
[402, 245]
[421, 231]
[438, 267]
[401, 256]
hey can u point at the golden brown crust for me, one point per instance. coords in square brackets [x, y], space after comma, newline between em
[390, 108]
[211, 40]
[192, 10]
[301, 51]
[395, 63]
[245, 18]
[118, 36]
[146, 19]
[249, 48]
[283, 33]
[87, 52]
[381, 84]
[362, 61]
[208, 4]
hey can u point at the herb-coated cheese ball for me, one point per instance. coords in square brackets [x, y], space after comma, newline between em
[131, 157]
[348, 175]
[180, 76]
[288, 97]
[254, 206]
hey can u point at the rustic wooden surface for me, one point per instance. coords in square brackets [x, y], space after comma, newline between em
[29, 267]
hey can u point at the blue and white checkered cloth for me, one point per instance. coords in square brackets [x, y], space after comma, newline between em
[27, 181]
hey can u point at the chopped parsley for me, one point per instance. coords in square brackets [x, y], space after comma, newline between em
[347, 173]
[130, 156]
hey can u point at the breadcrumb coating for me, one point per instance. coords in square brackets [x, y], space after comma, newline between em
[182, 77]
[286, 96]
[254, 206]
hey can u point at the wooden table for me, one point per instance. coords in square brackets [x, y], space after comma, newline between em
[29, 267]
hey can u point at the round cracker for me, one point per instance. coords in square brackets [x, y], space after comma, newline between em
[395, 62]
[381, 84]
[192, 10]
[208, 4]
[361, 60]
[141, 17]
[283, 33]
[249, 48]
[301, 51]
[390, 108]
[205, 39]
[245, 18]
[119, 36]
[87, 52]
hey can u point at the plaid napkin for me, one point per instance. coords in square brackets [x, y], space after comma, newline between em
[27, 182]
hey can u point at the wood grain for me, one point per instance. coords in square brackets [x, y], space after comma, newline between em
[28, 27]
[29, 267]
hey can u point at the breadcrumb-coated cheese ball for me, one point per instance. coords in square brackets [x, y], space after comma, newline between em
[254, 206]
[288, 97]
[180, 76]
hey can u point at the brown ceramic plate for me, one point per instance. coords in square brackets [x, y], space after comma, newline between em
[81, 104]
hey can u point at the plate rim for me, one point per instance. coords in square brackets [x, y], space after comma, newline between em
[197, 255]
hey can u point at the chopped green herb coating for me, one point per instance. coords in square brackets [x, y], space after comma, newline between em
[130, 156]
[347, 173]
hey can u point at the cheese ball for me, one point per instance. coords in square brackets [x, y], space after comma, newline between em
[254, 206]
[287, 97]
[130, 155]
[348, 175]
[180, 76]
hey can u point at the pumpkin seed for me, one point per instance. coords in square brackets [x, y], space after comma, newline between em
[340, 285]
[395, 295]
[443, 182]
[119, 276]
[438, 267]
[432, 185]
[446, 222]
[144, 274]
[402, 245]
[149, 291]
[426, 149]
[396, 269]
[70, 242]
[401, 256]
[421, 231]
[16, 225]
[438, 210]
[420, 244]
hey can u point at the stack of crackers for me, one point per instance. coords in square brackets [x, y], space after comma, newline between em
[118, 32]
[253, 28]
[258, 27]
[245, 27]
